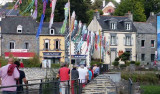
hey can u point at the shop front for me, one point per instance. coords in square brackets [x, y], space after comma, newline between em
[53, 57]
[78, 59]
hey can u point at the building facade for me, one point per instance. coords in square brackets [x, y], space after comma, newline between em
[146, 42]
[120, 34]
[52, 44]
[18, 37]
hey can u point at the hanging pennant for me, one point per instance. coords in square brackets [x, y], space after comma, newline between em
[35, 11]
[72, 21]
[52, 13]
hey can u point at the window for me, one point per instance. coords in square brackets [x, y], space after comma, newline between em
[142, 43]
[128, 40]
[152, 57]
[128, 26]
[57, 44]
[12, 45]
[152, 43]
[26, 45]
[46, 44]
[52, 32]
[19, 29]
[142, 57]
[113, 26]
[113, 40]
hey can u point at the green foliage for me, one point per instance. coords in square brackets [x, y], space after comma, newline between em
[117, 59]
[115, 63]
[97, 4]
[137, 63]
[132, 62]
[122, 65]
[135, 6]
[55, 65]
[96, 62]
[150, 78]
[3, 61]
[33, 62]
[150, 89]
[127, 63]
[125, 56]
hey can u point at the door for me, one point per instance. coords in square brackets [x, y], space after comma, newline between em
[113, 56]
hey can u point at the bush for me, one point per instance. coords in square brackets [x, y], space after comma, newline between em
[137, 63]
[132, 62]
[115, 63]
[122, 65]
[127, 63]
[96, 62]
[33, 62]
[3, 61]
[55, 65]
[117, 59]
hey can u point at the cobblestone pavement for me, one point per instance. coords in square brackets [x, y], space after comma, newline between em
[100, 85]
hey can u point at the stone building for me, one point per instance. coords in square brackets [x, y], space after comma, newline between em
[120, 34]
[18, 36]
[146, 41]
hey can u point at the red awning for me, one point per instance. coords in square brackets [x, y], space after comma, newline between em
[20, 54]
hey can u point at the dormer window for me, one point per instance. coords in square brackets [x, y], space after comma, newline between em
[52, 32]
[113, 25]
[19, 29]
[128, 26]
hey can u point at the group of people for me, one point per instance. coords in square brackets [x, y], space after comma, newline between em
[10, 75]
[78, 73]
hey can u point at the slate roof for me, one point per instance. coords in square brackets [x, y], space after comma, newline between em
[145, 28]
[152, 19]
[45, 29]
[9, 25]
[104, 23]
[5, 11]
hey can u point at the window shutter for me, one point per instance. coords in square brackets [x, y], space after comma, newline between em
[124, 41]
[117, 41]
[109, 40]
[132, 41]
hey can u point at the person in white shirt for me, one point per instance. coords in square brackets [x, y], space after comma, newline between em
[83, 75]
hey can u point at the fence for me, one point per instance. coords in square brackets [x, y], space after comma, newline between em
[49, 86]
[130, 86]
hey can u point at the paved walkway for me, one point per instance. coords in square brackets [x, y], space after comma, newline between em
[100, 85]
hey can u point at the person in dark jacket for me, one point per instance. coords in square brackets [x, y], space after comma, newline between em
[74, 77]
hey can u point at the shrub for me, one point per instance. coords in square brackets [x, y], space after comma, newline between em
[122, 65]
[137, 63]
[115, 63]
[127, 63]
[3, 61]
[55, 65]
[33, 62]
[117, 59]
[132, 62]
[96, 62]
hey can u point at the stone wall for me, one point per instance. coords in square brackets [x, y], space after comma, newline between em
[19, 42]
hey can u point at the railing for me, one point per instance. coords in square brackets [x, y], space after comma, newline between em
[130, 86]
[49, 86]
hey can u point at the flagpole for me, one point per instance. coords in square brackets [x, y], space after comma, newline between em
[70, 42]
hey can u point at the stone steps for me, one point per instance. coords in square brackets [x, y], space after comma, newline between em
[100, 85]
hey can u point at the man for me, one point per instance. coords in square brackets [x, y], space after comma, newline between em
[64, 77]
[9, 75]
[83, 75]
[21, 79]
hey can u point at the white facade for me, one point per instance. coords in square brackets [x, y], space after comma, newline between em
[3, 2]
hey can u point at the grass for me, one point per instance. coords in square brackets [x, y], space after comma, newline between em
[150, 89]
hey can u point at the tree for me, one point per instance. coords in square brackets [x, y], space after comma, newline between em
[136, 7]
[97, 4]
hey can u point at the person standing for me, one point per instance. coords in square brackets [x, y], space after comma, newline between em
[83, 75]
[64, 77]
[21, 79]
[89, 74]
[74, 77]
[9, 75]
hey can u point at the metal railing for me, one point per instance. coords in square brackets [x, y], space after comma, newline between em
[48, 86]
[130, 86]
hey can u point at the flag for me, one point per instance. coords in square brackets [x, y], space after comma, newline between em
[52, 13]
[34, 15]
[40, 26]
[72, 21]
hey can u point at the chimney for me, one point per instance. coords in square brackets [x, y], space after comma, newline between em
[104, 3]
[151, 13]
[129, 15]
[97, 14]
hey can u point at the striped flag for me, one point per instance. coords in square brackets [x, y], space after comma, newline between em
[52, 13]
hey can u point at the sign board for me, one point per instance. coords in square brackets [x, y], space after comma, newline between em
[51, 53]
[19, 50]
[79, 56]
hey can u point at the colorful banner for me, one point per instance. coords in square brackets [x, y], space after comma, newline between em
[66, 12]
[35, 11]
[72, 21]
[52, 13]
[158, 38]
